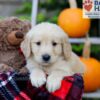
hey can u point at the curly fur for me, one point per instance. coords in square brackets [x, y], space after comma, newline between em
[9, 54]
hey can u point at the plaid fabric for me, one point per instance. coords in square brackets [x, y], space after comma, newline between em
[14, 86]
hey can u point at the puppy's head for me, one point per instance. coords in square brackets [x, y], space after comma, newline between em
[46, 43]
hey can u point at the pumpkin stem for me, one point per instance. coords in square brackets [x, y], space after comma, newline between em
[72, 3]
[87, 48]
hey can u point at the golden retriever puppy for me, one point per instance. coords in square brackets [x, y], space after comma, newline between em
[48, 52]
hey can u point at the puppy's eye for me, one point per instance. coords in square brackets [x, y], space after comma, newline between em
[38, 43]
[54, 43]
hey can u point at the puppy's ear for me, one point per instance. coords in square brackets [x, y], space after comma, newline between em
[66, 47]
[26, 46]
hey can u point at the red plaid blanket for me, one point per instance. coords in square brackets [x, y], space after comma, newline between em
[14, 86]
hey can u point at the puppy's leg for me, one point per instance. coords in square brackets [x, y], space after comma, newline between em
[55, 78]
[37, 77]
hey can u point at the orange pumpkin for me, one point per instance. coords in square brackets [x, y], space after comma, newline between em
[92, 74]
[99, 82]
[72, 22]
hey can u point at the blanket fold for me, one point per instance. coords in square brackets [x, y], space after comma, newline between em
[14, 86]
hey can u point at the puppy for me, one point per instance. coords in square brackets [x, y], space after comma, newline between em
[48, 51]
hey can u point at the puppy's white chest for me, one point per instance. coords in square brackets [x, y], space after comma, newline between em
[47, 70]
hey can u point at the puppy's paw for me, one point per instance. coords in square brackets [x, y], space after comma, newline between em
[53, 83]
[37, 78]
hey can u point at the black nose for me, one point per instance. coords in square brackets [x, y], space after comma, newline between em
[46, 57]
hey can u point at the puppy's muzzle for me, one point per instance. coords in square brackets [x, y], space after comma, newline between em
[46, 57]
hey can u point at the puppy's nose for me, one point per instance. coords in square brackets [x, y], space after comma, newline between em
[46, 57]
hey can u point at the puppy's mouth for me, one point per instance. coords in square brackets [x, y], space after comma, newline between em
[45, 63]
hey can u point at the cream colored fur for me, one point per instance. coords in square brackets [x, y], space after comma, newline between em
[63, 61]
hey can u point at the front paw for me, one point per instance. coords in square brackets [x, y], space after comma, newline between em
[37, 79]
[53, 83]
